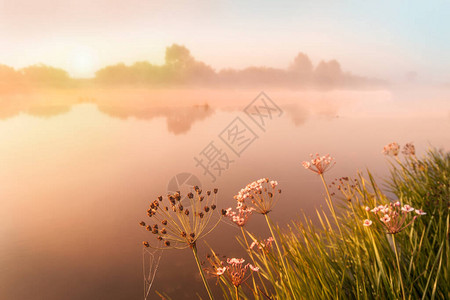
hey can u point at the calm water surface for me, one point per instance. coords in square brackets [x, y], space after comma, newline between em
[78, 169]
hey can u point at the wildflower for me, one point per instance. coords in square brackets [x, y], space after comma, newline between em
[367, 208]
[241, 217]
[407, 208]
[264, 244]
[393, 217]
[409, 149]
[319, 164]
[367, 222]
[221, 270]
[261, 195]
[391, 149]
[235, 271]
[385, 218]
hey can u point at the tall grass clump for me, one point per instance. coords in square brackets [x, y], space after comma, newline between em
[371, 242]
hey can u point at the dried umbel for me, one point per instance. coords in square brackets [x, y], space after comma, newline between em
[409, 149]
[261, 195]
[391, 149]
[180, 227]
[393, 217]
[319, 164]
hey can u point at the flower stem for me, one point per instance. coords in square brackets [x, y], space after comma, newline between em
[398, 266]
[237, 292]
[194, 249]
[279, 253]
[253, 260]
[330, 203]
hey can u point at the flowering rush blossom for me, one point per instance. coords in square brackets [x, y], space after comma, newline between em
[261, 195]
[319, 164]
[241, 217]
[236, 271]
[393, 216]
[391, 149]
[264, 244]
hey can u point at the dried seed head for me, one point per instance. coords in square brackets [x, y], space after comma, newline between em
[224, 212]
[146, 244]
[208, 193]
[216, 190]
[160, 198]
[180, 207]
[186, 212]
[190, 195]
[167, 243]
[148, 228]
[192, 235]
[213, 207]
[159, 238]
[206, 208]
[201, 215]
[183, 234]
[201, 198]
[155, 231]
[163, 231]
[164, 222]
[142, 223]
[155, 226]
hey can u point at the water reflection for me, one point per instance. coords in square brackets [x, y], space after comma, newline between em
[179, 119]
[73, 188]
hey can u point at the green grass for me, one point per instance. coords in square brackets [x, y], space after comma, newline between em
[342, 259]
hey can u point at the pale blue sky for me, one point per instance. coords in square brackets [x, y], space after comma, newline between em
[382, 39]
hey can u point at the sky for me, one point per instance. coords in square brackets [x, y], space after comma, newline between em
[380, 39]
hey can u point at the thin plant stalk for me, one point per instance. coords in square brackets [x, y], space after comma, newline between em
[253, 259]
[237, 292]
[194, 250]
[398, 266]
[279, 253]
[330, 203]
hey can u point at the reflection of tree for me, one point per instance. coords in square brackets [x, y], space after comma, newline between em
[179, 119]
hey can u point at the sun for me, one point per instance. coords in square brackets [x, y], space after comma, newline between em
[82, 61]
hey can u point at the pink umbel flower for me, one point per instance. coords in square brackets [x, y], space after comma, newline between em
[391, 149]
[385, 218]
[407, 208]
[264, 244]
[319, 164]
[367, 222]
[259, 195]
[409, 149]
[393, 217]
[236, 270]
[242, 215]
[420, 212]
[220, 271]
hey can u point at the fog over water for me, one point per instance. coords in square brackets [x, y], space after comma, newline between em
[79, 167]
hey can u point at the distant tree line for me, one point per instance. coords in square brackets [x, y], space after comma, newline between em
[182, 69]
